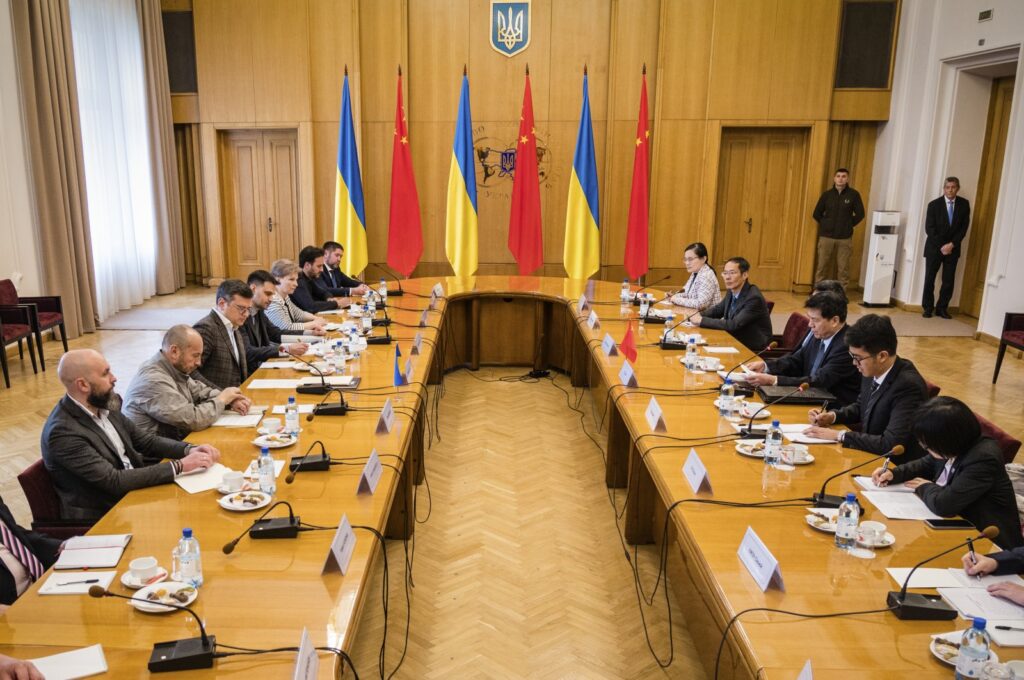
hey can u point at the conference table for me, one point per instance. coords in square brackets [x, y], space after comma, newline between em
[266, 592]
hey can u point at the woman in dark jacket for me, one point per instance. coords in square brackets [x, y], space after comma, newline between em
[963, 474]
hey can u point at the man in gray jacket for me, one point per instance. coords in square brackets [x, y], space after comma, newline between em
[162, 399]
[94, 453]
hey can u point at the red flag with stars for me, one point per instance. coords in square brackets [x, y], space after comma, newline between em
[636, 233]
[628, 344]
[525, 239]
[405, 229]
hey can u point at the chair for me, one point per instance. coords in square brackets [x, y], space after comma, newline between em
[1012, 336]
[45, 313]
[15, 324]
[792, 335]
[1007, 443]
[933, 389]
[37, 484]
[770, 305]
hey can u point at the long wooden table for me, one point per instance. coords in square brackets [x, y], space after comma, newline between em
[264, 593]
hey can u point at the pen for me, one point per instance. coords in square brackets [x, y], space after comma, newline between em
[1009, 628]
[974, 558]
[74, 583]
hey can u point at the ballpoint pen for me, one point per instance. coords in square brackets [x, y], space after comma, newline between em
[974, 557]
[1009, 628]
[75, 583]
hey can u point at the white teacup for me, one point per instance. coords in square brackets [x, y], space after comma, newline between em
[710, 363]
[272, 425]
[324, 367]
[797, 453]
[143, 568]
[232, 480]
[871, 532]
[1017, 668]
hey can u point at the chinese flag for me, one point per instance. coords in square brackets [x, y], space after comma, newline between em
[628, 344]
[405, 231]
[525, 240]
[636, 233]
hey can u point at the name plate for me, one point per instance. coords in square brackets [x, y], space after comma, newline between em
[438, 290]
[387, 418]
[582, 305]
[592, 321]
[367, 322]
[696, 474]
[654, 415]
[806, 673]
[342, 547]
[371, 474]
[417, 343]
[433, 302]
[307, 663]
[760, 562]
[423, 318]
[609, 347]
[408, 371]
[627, 376]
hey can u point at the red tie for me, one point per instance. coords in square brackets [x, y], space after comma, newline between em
[21, 551]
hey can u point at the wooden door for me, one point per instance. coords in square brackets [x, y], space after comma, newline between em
[259, 178]
[760, 190]
[979, 233]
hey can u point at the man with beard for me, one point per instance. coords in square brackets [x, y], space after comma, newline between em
[95, 454]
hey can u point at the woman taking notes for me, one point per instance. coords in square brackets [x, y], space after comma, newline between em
[701, 289]
[963, 473]
[282, 312]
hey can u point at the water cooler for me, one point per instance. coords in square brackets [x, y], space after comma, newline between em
[881, 269]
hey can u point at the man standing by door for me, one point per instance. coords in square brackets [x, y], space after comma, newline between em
[945, 223]
[839, 210]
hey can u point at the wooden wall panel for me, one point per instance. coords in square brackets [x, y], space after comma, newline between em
[852, 145]
[801, 59]
[684, 64]
[325, 154]
[383, 45]
[740, 83]
[582, 28]
[280, 58]
[224, 65]
[438, 49]
[677, 184]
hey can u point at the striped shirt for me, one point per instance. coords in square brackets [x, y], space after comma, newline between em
[284, 314]
[701, 290]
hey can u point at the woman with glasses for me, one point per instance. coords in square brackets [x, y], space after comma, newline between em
[963, 473]
[701, 289]
[284, 313]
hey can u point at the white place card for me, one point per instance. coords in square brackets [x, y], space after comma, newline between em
[696, 474]
[433, 301]
[307, 663]
[609, 347]
[387, 418]
[627, 376]
[367, 322]
[371, 474]
[592, 321]
[806, 673]
[759, 561]
[437, 290]
[582, 305]
[408, 371]
[342, 547]
[417, 343]
[423, 318]
[78, 663]
[654, 415]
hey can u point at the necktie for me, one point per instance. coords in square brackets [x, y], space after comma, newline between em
[21, 551]
[818, 358]
[949, 210]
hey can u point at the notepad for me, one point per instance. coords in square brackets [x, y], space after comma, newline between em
[303, 408]
[925, 577]
[868, 484]
[71, 582]
[92, 552]
[974, 602]
[238, 420]
[721, 350]
[900, 505]
[1006, 638]
[80, 663]
[279, 364]
[205, 480]
[794, 432]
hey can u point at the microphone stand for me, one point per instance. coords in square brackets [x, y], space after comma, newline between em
[391, 273]
[275, 527]
[385, 322]
[749, 432]
[636, 295]
[824, 500]
[312, 462]
[666, 343]
[322, 388]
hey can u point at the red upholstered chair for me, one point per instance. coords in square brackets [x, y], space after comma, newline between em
[45, 312]
[770, 305]
[792, 335]
[37, 484]
[1006, 442]
[933, 389]
[15, 326]
[1012, 336]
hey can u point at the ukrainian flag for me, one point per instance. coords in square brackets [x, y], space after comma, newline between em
[349, 212]
[582, 226]
[460, 243]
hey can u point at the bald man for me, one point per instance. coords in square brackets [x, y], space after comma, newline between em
[94, 453]
[163, 399]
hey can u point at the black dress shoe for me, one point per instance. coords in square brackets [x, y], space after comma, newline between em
[926, 314]
[944, 314]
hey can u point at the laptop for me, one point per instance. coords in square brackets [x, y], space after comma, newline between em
[810, 396]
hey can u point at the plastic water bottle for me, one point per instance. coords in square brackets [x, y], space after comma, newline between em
[645, 305]
[371, 305]
[291, 417]
[691, 359]
[973, 651]
[268, 480]
[186, 561]
[670, 321]
[624, 296]
[773, 445]
[726, 397]
[383, 289]
[846, 522]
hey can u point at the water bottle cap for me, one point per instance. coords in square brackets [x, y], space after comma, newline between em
[626, 281]
[775, 423]
[728, 381]
[187, 533]
[851, 497]
[291, 400]
[264, 451]
[980, 623]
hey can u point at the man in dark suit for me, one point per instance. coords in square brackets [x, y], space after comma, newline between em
[262, 338]
[336, 281]
[824, 361]
[94, 453]
[891, 392]
[24, 556]
[742, 311]
[946, 221]
[311, 295]
[225, 363]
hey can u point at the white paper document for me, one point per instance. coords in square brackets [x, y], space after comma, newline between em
[900, 505]
[1007, 638]
[972, 602]
[868, 484]
[720, 350]
[210, 478]
[273, 384]
[232, 419]
[303, 408]
[279, 364]
[80, 663]
[794, 432]
[75, 582]
[336, 380]
[924, 578]
[92, 552]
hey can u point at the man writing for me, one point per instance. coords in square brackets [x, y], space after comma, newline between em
[334, 280]
[742, 312]
[945, 223]
[838, 211]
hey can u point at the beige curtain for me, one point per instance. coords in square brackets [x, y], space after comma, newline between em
[46, 66]
[170, 261]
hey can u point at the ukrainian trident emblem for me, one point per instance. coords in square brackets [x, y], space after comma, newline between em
[510, 27]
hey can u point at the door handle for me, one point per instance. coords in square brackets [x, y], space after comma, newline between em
[750, 224]
[270, 224]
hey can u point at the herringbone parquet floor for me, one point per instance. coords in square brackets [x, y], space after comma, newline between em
[519, 571]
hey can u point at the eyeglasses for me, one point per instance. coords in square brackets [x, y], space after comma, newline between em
[857, 359]
[243, 310]
[691, 259]
[730, 272]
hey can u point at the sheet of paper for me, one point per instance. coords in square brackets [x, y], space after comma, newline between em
[924, 578]
[232, 419]
[336, 380]
[794, 432]
[98, 541]
[273, 384]
[279, 364]
[202, 481]
[868, 485]
[966, 581]
[900, 505]
[1007, 638]
[253, 472]
[303, 408]
[721, 350]
[972, 602]
[737, 376]
[80, 663]
[69, 582]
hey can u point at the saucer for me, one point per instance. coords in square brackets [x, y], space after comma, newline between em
[129, 581]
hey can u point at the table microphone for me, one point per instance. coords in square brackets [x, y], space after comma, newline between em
[387, 270]
[672, 344]
[385, 322]
[824, 500]
[749, 432]
[919, 607]
[310, 462]
[636, 295]
[275, 527]
[340, 409]
[322, 388]
[174, 655]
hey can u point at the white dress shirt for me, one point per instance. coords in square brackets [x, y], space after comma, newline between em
[231, 334]
[103, 422]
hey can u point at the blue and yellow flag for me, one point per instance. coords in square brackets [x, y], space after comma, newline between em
[349, 213]
[582, 226]
[460, 242]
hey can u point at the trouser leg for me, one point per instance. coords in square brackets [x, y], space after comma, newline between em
[931, 268]
[948, 281]
[826, 257]
[844, 246]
